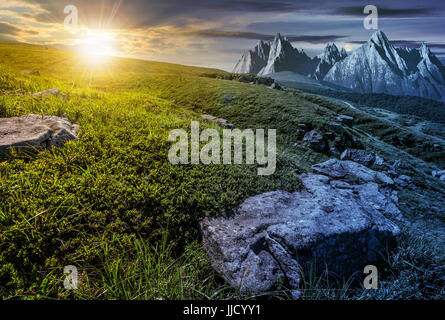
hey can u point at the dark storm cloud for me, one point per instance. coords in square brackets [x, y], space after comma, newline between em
[260, 36]
[8, 29]
[387, 12]
[255, 6]
[147, 13]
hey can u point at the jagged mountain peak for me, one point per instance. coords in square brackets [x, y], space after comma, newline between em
[424, 50]
[330, 47]
[378, 67]
[284, 57]
[375, 67]
[252, 61]
[327, 59]
[278, 36]
[379, 38]
[331, 51]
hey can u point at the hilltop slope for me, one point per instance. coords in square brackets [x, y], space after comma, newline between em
[111, 204]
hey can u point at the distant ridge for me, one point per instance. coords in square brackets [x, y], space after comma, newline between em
[376, 67]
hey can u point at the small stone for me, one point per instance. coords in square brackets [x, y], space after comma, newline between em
[208, 117]
[380, 162]
[49, 92]
[438, 173]
[275, 86]
[314, 140]
[346, 120]
[223, 122]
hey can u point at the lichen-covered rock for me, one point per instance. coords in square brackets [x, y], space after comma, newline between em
[314, 140]
[32, 132]
[351, 172]
[403, 180]
[329, 223]
[361, 156]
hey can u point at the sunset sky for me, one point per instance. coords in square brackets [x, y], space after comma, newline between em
[214, 33]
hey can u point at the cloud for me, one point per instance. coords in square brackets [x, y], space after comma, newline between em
[315, 39]
[416, 44]
[195, 31]
[409, 43]
[255, 6]
[148, 13]
[385, 12]
[260, 36]
[9, 29]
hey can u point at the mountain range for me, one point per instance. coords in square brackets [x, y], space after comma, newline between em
[375, 67]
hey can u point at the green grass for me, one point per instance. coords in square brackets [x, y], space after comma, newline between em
[110, 203]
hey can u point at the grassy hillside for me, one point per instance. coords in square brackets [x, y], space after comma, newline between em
[111, 203]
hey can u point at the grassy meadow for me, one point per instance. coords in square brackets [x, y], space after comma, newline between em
[112, 205]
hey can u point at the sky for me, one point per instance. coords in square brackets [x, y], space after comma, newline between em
[214, 33]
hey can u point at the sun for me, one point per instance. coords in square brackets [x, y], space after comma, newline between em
[348, 47]
[96, 45]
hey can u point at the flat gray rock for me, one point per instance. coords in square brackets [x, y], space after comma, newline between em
[49, 92]
[329, 223]
[32, 132]
[351, 172]
[222, 122]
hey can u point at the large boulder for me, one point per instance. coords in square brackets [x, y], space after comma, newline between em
[330, 224]
[33, 132]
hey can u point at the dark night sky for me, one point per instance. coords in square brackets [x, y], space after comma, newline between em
[215, 33]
